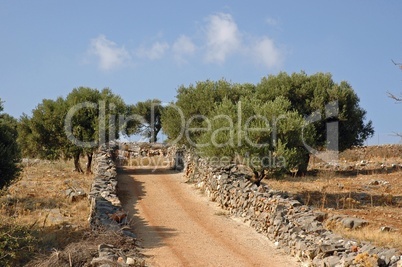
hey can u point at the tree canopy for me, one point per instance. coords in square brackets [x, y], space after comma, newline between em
[276, 123]
[196, 102]
[149, 112]
[10, 155]
[73, 126]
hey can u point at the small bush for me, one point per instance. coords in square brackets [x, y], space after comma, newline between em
[9, 150]
[17, 245]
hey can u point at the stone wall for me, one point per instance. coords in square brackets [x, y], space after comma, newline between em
[293, 227]
[106, 210]
[106, 213]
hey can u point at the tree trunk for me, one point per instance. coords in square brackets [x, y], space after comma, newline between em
[258, 176]
[303, 165]
[89, 163]
[154, 134]
[77, 162]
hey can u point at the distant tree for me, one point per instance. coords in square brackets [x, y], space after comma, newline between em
[29, 148]
[74, 126]
[266, 136]
[196, 102]
[150, 111]
[308, 105]
[42, 135]
[10, 155]
[310, 95]
[92, 111]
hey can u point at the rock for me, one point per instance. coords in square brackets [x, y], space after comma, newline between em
[130, 261]
[54, 217]
[332, 261]
[295, 228]
[386, 229]
[353, 223]
[76, 195]
[106, 210]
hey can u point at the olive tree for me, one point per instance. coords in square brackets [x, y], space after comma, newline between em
[266, 136]
[150, 112]
[306, 114]
[195, 102]
[311, 95]
[10, 155]
[74, 126]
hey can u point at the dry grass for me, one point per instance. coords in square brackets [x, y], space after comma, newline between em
[37, 202]
[372, 234]
[41, 191]
[81, 253]
[353, 193]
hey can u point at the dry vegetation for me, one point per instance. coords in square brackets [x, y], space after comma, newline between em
[370, 189]
[40, 226]
[36, 216]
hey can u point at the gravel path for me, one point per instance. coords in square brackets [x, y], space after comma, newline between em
[178, 226]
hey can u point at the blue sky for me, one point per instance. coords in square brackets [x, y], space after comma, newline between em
[147, 49]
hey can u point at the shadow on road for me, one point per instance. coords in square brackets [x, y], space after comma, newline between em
[130, 191]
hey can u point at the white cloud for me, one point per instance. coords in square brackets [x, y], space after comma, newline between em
[110, 56]
[221, 40]
[156, 51]
[223, 37]
[272, 21]
[182, 47]
[267, 53]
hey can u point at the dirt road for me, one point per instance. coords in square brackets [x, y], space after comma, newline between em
[178, 226]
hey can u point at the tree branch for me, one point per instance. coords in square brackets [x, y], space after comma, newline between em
[394, 97]
[397, 134]
[397, 64]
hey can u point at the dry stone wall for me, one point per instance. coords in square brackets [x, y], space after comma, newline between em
[107, 213]
[105, 205]
[293, 227]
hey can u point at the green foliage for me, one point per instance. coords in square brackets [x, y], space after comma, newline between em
[10, 155]
[150, 112]
[309, 94]
[275, 119]
[67, 128]
[193, 102]
[17, 245]
[264, 135]
[92, 111]
[42, 136]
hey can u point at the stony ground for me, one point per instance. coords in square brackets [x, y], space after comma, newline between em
[37, 215]
[365, 183]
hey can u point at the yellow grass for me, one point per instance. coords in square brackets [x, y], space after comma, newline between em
[353, 196]
[41, 189]
[371, 234]
[38, 202]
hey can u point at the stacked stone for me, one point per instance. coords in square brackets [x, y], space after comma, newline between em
[106, 210]
[296, 228]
